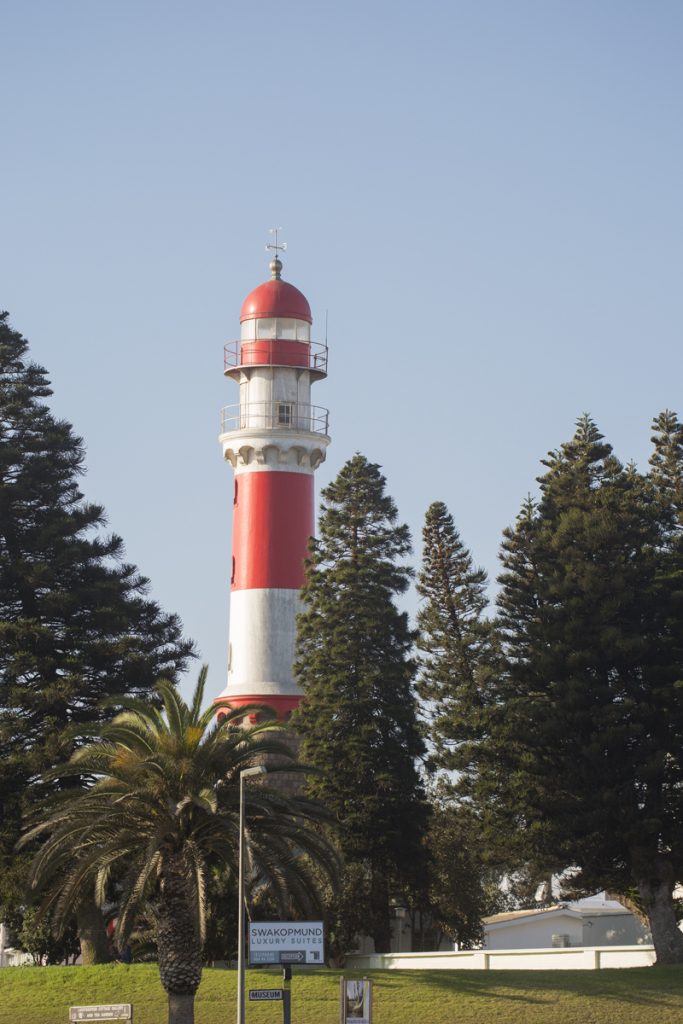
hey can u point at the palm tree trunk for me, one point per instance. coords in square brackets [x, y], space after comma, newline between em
[180, 1008]
[92, 933]
[178, 942]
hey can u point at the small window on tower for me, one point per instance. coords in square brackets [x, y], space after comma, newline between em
[234, 499]
[232, 578]
[284, 414]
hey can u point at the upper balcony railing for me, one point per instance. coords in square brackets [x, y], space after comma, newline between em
[308, 419]
[311, 355]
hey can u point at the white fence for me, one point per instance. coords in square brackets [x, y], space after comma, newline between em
[573, 958]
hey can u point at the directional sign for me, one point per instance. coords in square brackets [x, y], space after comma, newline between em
[265, 994]
[109, 1011]
[292, 956]
[286, 942]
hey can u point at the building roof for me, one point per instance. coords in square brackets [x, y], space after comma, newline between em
[519, 915]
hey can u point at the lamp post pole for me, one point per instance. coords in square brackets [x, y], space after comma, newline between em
[244, 774]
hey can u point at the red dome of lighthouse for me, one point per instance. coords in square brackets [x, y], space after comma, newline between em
[276, 298]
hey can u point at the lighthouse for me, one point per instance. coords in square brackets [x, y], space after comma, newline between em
[274, 439]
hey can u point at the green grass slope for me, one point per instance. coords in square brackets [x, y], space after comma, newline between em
[34, 995]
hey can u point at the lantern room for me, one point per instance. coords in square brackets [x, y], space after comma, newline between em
[275, 331]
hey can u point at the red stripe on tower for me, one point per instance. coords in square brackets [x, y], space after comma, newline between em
[272, 523]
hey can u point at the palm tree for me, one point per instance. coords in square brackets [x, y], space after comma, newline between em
[157, 806]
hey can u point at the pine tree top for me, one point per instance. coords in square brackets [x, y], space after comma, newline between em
[75, 622]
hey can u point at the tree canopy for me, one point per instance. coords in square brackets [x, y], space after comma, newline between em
[456, 641]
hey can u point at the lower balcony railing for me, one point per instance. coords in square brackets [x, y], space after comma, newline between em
[311, 419]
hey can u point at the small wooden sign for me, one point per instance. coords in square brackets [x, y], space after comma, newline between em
[110, 1011]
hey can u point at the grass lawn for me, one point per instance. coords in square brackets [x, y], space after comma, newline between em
[646, 995]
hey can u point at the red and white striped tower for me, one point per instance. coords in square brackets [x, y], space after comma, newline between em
[274, 439]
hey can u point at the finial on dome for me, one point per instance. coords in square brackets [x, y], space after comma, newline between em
[276, 263]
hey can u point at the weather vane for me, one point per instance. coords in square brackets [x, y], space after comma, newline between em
[276, 247]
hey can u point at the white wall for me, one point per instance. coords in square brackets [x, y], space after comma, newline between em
[576, 958]
[613, 930]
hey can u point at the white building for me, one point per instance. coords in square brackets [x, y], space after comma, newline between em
[595, 921]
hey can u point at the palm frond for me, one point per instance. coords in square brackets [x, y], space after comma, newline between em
[198, 696]
[160, 787]
[175, 708]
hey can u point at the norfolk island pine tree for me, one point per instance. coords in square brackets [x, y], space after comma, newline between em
[458, 653]
[75, 622]
[358, 721]
[579, 763]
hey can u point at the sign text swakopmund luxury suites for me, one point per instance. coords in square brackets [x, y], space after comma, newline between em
[286, 942]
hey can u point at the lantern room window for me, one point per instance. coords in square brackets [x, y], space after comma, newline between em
[270, 328]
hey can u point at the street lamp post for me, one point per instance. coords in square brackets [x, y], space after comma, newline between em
[244, 774]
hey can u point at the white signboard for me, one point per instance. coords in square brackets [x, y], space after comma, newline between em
[286, 942]
[108, 1011]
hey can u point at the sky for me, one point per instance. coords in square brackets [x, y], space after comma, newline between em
[482, 198]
